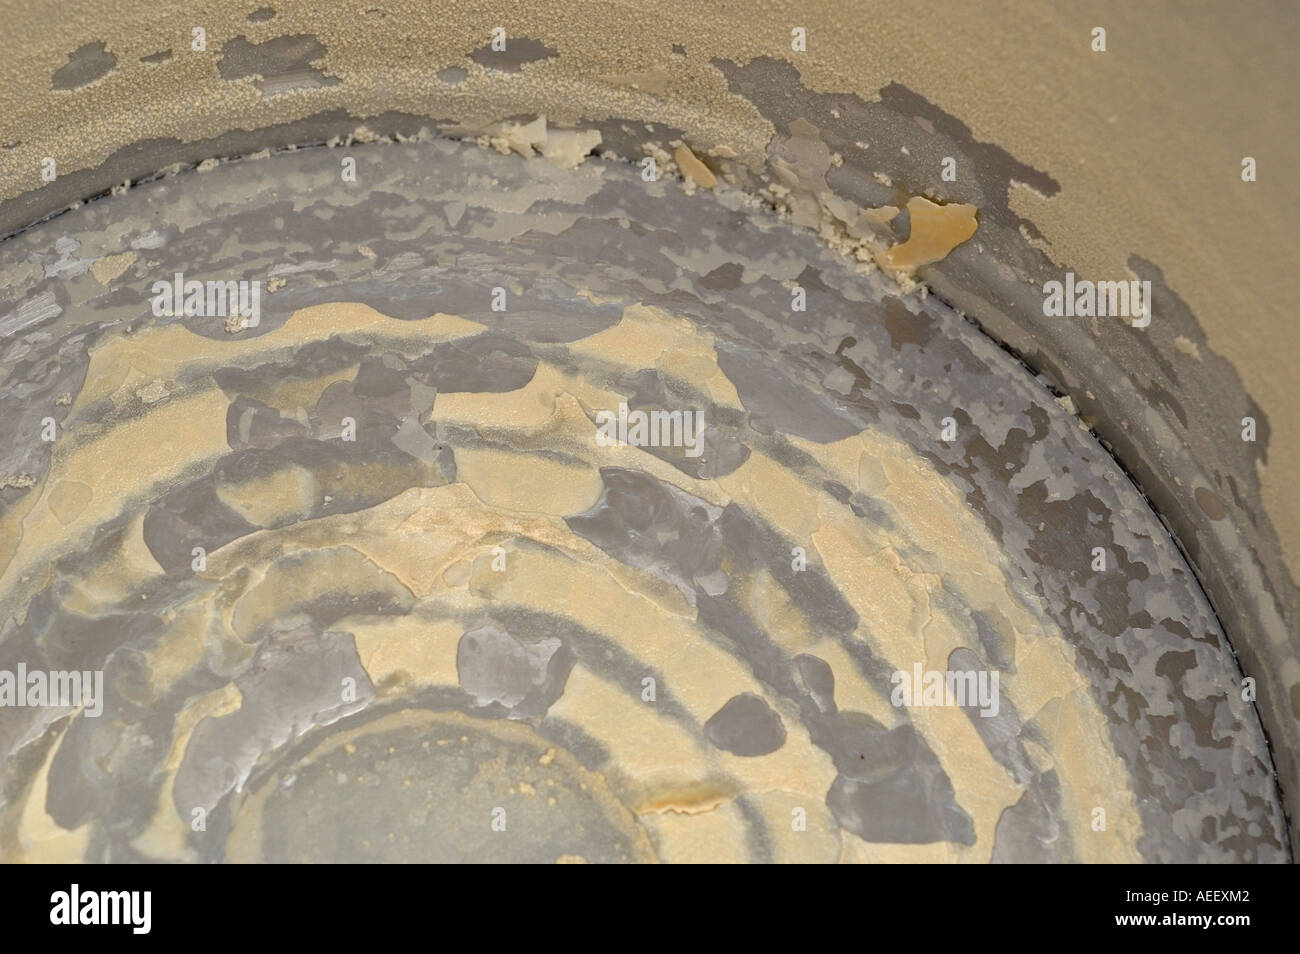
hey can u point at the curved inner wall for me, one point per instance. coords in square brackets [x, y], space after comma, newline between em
[487, 568]
[396, 479]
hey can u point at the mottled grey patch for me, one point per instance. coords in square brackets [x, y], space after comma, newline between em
[280, 64]
[548, 325]
[86, 63]
[818, 681]
[250, 423]
[453, 75]
[643, 386]
[906, 328]
[488, 363]
[723, 278]
[30, 312]
[777, 403]
[81, 774]
[262, 15]
[656, 527]
[153, 59]
[721, 453]
[519, 50]
[891, 787]
[997, 638]
[190, 516]
[298, 679]
[1028, 832]
[63, 262]
[1000, 733]
[495, 667]
[746, 725]
[312, 360]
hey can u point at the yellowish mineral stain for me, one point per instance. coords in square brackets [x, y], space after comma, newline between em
[936, 231]
[184, 647]
[693, 169]
[707, 838]
[111, 266]
[655, 752]
[414, 650]
[534, 484]
[68, 499]
[647, 336]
